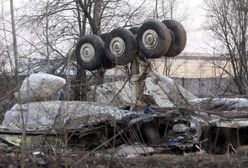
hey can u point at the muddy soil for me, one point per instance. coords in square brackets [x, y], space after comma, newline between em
[74, 157]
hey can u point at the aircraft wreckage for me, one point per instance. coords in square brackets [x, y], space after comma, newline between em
[150, 109]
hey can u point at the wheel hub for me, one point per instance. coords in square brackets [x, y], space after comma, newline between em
[117, 46]
[87, 52]
[150, 39]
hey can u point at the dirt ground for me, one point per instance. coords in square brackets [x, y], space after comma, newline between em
[74, 157]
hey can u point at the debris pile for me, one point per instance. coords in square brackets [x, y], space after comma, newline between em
[174, 121]
[161, 91]
[47, 115]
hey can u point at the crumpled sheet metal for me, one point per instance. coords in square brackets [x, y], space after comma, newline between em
[60, 114]
[177, 95]
[164, 90]
[158, 95]
[134, 150]
[220, 121]
[232, 107]
[107, 91]
[230, 103]
[40, 86]
[236, 123]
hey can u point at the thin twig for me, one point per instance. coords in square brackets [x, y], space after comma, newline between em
[119, 91]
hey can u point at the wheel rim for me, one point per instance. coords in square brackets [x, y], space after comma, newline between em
[150, 39]
[87, 52]
[117, 46]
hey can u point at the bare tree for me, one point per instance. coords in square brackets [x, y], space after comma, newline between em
[14, 41]
[55, 27]
[167, 9]
[7, 64]
[228, 22]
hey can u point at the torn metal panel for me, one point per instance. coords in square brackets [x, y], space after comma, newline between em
[224, 103]
[164, 91]
[176, 93]
[40, 86]
[109, 91]
[134, 150]
[60, 114]
[158, 95]
[228, 119]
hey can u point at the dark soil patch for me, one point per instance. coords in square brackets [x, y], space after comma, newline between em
[74, 157]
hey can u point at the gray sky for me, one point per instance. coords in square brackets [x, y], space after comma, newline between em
[197, 37]
[193, 24]
[192, 15]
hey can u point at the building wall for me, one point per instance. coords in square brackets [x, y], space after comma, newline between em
[192, 67]
[196, 72]
[186, 66]
[208, 87]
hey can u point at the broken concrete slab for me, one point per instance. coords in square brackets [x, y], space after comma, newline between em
[40, 86]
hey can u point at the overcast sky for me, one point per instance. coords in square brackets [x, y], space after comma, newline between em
[197, 37]
[193, 17]
[196, 18]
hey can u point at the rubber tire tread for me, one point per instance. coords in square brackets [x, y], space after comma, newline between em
[98, 45]
[106, 62]
[164, 39]
[134, 30]
[130, 46]
[179, 40]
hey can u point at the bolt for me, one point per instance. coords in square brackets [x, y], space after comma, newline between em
[150, 39]
[117, 46]
[86, 52]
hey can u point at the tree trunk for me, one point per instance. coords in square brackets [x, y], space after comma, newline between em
[14, 42]
[228, 23]
[97, 19]
[80, 90]
[97, 15]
